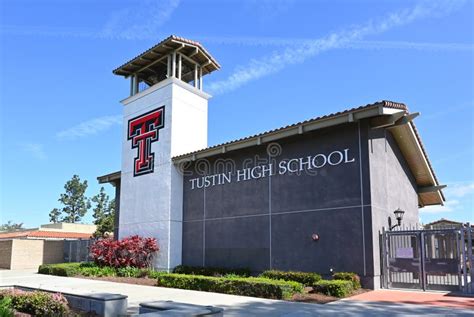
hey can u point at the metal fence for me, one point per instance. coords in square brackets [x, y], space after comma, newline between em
[434, 259]
[77, 250]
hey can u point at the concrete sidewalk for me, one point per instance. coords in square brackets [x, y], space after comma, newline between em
[233, 305]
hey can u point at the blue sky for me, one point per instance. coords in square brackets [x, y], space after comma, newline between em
[282, 61]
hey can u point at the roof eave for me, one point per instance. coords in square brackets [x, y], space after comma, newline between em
[300, 128]
[112, 178]
[127, 69]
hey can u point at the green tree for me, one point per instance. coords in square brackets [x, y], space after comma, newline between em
[106, 222]
[74, 201]
[102, 201]
[10, 226]
[54, 215]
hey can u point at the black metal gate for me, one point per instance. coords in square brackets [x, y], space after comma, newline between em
[435, 259]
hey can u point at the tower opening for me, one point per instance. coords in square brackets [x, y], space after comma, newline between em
[174, 57]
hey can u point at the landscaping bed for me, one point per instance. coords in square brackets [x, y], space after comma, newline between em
[128, 261]
[20, 303]
[295, 286]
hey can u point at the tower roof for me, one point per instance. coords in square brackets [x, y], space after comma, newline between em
[191, 49]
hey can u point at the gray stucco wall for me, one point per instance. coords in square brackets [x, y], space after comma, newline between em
[269, 222]
[392, 186]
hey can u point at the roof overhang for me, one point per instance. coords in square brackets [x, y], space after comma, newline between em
[164, 48]
[429, 190]
[352, 115]
[112, 178]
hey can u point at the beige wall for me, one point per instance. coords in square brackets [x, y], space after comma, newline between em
[18, 254]
[68, 227]
[5, 253]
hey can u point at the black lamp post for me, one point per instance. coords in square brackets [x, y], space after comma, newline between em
[399, 216]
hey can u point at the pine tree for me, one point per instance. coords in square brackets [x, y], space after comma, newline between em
[106, 222]
[10, 226]
[74, 201]
[54, 215]
[102, 201]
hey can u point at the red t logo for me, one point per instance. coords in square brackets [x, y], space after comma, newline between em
[143, 131]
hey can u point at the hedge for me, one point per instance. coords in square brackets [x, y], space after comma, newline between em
[336, 288]
[210, 271]
[60, 269]
[305, 278]
[245, 286]
[348, 276]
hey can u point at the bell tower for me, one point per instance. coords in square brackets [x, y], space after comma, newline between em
[164, 116]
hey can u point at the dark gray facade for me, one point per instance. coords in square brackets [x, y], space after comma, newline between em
[269, 222]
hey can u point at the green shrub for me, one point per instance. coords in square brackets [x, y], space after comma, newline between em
[6, 307]
[39, 304]
[336, 288]
[348, 276]
[210, 271]
[305, 278]
[245, 286]
[60, 269]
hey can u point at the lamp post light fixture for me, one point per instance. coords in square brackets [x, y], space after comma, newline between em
[399, 216]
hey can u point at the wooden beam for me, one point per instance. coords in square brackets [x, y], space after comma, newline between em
[385, 121]
[430, 189]
[196, 50]
[151, 64]
[405, 119]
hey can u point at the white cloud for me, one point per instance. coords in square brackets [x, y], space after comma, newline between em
[140, 22]
[35, 149]
[356, 44]
[449, 206]
[460, 190]
[421, 46]
[277, 61]
[267, 10]
[90, 127]
[459, 198]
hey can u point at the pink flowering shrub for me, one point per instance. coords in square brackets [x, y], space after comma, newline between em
[134, 251]
[37, 303]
